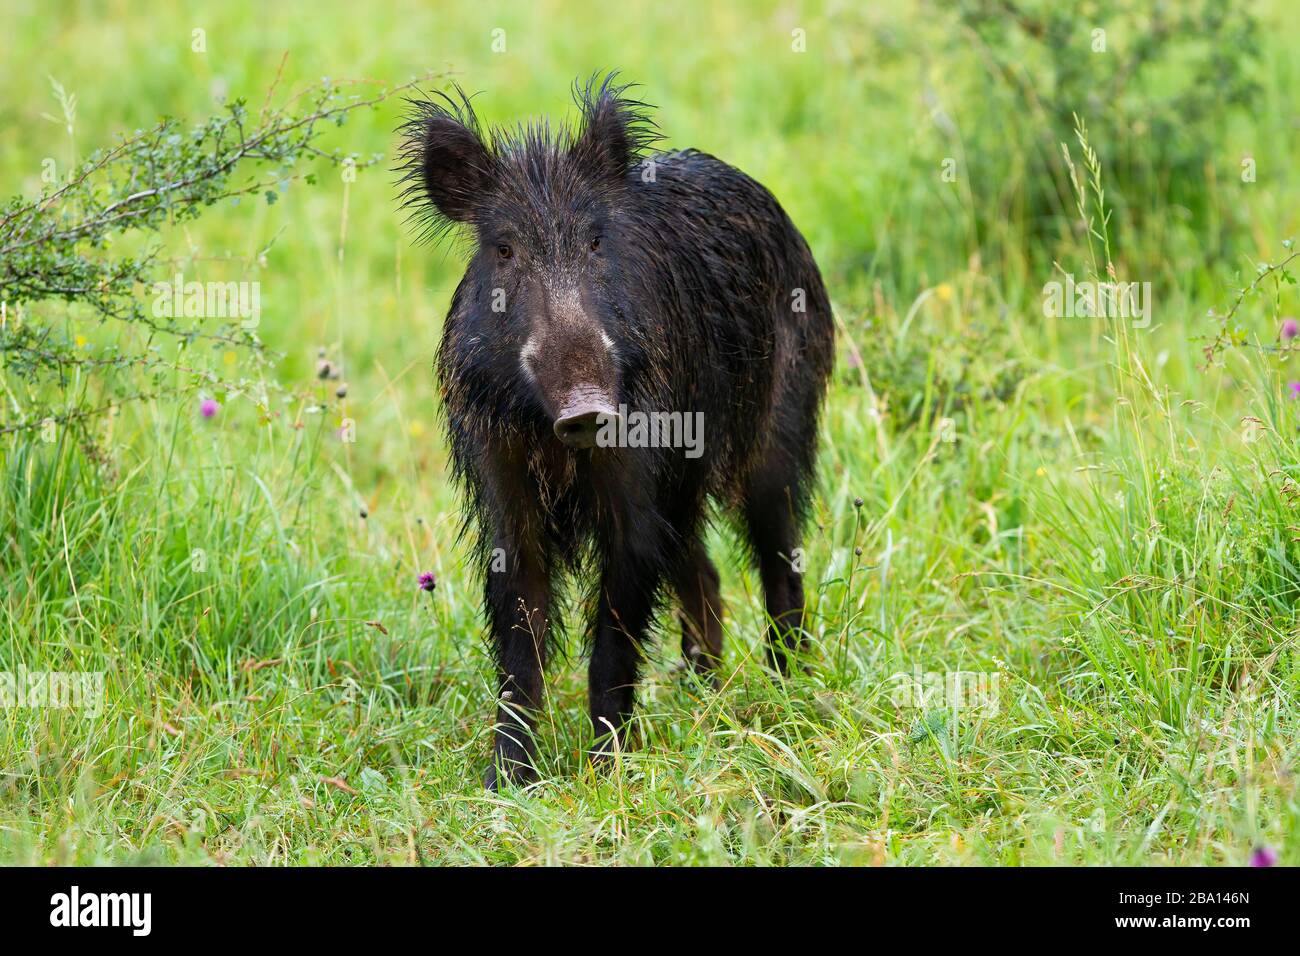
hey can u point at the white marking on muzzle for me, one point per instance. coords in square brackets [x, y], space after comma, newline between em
[526, 355]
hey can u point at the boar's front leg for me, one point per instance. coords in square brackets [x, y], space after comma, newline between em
[518, 597]
[698, 589]
[628, 590]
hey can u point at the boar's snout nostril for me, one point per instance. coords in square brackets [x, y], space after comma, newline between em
[581, 419]
[578, 429]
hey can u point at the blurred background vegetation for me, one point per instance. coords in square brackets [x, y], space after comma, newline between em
[1102, 515]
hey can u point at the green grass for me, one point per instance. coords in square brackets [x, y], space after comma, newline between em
[1093, 532]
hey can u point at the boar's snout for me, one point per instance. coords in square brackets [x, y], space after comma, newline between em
[584, 412]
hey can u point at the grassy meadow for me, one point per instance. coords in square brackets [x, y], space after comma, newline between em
[1080, 517]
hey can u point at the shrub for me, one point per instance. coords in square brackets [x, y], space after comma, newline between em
[86, 252]
[1157, 85]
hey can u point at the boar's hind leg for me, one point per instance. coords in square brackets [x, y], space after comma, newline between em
[518, 605]
[697, 585]
[627, 600]
[773, 507]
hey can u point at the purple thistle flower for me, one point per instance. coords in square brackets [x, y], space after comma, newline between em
[427, 581]
[208, 407]
[1294, 389]
[1263, 856]
[1290, 329]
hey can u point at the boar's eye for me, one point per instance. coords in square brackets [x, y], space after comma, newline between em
[595, 244]
[504, 252]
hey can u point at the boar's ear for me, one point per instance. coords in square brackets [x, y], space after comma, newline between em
[447, 168]
[615, 128]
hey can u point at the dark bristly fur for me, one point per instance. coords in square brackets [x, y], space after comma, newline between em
[678, 286]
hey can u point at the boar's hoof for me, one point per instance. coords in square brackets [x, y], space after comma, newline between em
[516, 774]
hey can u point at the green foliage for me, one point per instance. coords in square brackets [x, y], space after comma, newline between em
[926, 370]
[67, 260]
[1157, 83]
